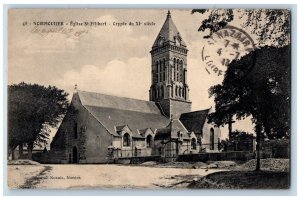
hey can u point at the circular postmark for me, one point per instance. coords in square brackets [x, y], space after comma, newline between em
[227, 44]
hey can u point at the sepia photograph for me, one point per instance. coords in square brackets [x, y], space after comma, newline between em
[148, 98]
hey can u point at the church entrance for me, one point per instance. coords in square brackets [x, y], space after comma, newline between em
[75, 155]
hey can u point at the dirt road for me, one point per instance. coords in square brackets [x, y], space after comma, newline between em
[113, 176]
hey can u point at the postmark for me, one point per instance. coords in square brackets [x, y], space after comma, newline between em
[228, 44]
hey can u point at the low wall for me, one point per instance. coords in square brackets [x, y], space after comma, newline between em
[138, 160]
[203, 157]
[276, 149]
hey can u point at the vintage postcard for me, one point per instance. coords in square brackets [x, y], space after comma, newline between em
[149, 98]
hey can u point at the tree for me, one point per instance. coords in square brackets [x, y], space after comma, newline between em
[239, 141]
[272, 26]
[263, 94]
[32, 109]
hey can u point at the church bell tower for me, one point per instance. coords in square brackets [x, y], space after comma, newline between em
[169, 86]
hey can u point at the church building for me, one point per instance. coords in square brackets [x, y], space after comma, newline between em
[101, 128]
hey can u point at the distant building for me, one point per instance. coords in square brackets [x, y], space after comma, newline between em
[100, 128]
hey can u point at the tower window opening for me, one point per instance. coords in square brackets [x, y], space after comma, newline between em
[157, 71]
[164, 69]
[174, 69]
[174, 75]
[160, 70]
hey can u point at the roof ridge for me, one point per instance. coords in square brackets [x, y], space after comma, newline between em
[126, 110]
[122, 103]
[196, 111]
[113, 95]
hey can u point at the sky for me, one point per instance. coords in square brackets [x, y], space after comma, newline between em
[106, 59]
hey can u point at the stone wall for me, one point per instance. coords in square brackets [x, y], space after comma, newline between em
[204, 157]
[92, 139]
[206, 137]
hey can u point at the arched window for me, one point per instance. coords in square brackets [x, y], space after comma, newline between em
[174, 78]
[180, 91]
[126, 140]
[157, 73]
[75, 133]
[162, 91]
[177, 69]
[176, 90]
[212, 136]
[160, 70]
[194, 144]
[164, 70]
[181, 71]
[159, 66]
[181, 65]
[149, 141]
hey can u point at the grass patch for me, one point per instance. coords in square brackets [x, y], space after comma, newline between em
[243, 180]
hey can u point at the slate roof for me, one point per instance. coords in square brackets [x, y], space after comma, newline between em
[171, 130]
[122, 103]
[143, 131]
[194, 121]
[168, 32]
[113, 111]
[120, 128]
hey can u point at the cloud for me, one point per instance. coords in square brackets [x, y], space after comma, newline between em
[123, 78]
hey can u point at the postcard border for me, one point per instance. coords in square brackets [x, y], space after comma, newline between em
[137, 192]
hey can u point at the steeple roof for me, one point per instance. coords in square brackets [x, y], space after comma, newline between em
[168, 32]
